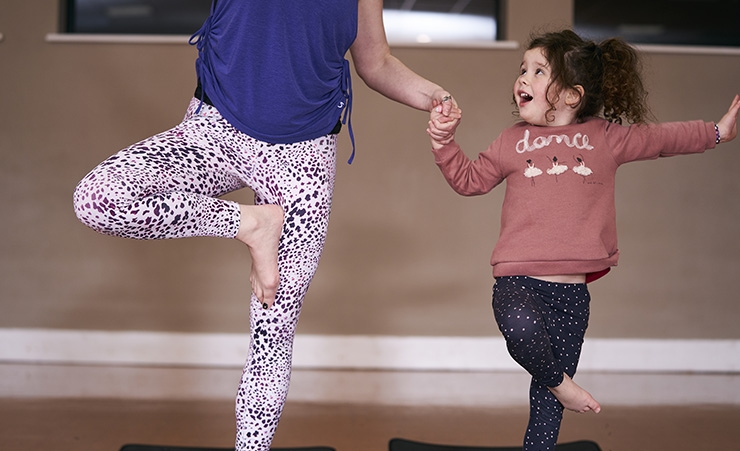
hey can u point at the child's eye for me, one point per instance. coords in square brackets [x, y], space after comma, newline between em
[540, 72]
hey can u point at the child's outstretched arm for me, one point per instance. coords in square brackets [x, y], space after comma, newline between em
[727, 126]
[441, 129]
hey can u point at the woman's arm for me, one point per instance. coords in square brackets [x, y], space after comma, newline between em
[383, 72]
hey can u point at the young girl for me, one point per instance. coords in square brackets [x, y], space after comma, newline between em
[559, 164]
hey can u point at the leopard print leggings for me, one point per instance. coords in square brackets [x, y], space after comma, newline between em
[168, 186]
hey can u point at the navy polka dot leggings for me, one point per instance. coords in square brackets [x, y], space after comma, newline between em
[168, 186]
[543, 324]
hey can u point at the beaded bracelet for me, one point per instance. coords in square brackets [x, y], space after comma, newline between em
[716, 134]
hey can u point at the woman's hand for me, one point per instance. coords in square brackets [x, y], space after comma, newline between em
[443, 102]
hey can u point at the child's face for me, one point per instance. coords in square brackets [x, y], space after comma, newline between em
[530, 91]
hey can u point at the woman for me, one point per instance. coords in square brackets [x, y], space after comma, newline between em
[273, 86]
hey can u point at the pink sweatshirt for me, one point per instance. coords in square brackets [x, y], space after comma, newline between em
[558, 215]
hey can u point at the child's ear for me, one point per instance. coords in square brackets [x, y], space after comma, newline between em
[574, 95]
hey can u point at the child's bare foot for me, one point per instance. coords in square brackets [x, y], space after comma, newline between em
[573, 397]
[260, 229]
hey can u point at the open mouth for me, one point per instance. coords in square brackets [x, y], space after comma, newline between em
[524, 98]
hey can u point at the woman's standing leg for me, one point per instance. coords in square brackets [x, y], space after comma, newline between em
[300, 178]
[544, 325]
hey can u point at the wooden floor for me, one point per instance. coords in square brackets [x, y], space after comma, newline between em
[101, 408]
[98, 424]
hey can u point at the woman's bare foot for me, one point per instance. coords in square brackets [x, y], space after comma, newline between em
[260, 229]
[573, 397]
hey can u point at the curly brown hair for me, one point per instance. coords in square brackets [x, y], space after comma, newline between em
[609, 72]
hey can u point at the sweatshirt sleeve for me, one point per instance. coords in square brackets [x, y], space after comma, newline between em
[651, 141]
[469, 177]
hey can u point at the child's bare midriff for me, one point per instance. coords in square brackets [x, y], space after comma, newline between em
[563, 278]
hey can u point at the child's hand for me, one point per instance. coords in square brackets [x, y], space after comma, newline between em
[728, 124]
[441, 128]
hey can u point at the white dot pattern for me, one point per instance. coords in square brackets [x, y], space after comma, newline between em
[543, 324]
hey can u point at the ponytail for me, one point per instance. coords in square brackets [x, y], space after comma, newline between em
[624, 95]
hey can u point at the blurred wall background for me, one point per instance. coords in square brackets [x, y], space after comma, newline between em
[405, 256]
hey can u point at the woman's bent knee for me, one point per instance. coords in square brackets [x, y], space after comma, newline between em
[94, 203]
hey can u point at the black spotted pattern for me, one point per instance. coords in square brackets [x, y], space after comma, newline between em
[168, 186]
